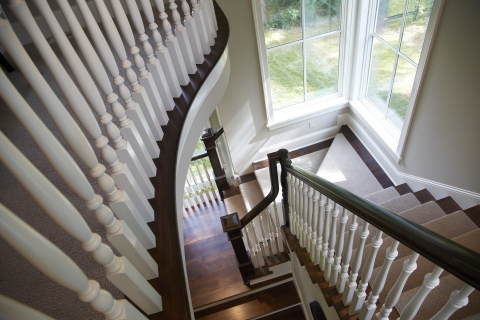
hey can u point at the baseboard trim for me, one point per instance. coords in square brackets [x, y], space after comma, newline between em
[464, 198]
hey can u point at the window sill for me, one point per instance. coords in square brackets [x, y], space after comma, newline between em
[305, 111]
[381, 129]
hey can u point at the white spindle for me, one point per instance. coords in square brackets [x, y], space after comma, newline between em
[117, 231]
[262, 231]
[57, 112]
[215, 23]
[198, 186]
[392, 297]
[211, 15]
[192, 31]
[183, 40]
[305, 215]
[203, 180]
[133, 110]
[255, 260]
[320, 228]
[208, 22]
[430, 282]
[293, 211]
[148, 148]
[13, 310]
[161, 51]
[331, 243]
[212, 186]
[309, 219]
[329, 210]
[271, 232]
[336, 267]
[173, 46]
[347, 255]
[202, 28]
[55, 264]
[278, 232]
[313, 240]
[119, 270]
[289, 197]
[458, 299]
[145, 77]
[360, 294]
[300, 212]
[194, 190]
[258, 248]
[153, 64]
[368, 308]
[138, 91]
[351, 285]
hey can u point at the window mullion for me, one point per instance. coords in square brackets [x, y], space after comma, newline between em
[304, 53]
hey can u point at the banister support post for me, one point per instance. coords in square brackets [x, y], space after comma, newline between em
[232, 225]
[209, 138]
[284, 162]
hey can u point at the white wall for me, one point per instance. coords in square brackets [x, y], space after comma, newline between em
[242, 108]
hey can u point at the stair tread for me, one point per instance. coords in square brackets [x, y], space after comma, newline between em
[291, 313]
[236, 204]
[383, 195]
[434, 212]
[342, 165]
[404, 202]
[456, 226]
[254, 305]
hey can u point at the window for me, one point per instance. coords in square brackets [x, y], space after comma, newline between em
[396, 42]
[300, 45]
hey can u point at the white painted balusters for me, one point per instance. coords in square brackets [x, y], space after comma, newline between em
[394, 294]
[458, 299]
[430, 282]
[173, 46]
[153, 65]
[117, 231]
[202, 29]
[347, 255]
[191, 26]
[55, 264]
[336, 267]
[212, 34]
[119, 270]
[183, 40]
[161, 51]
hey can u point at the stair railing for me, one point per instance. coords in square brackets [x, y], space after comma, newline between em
[334, 246]
[337, 246]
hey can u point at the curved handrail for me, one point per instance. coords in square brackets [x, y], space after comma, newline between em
[447, 254]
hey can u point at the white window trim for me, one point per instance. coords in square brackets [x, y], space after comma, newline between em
[315, 107]
[389, 136]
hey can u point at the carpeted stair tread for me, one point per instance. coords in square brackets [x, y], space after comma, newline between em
[342, 165]
[439, 296]
[236, 204]
[402, 203]
[414, 215]
[251, 193]
[383, 195]
[452, 226]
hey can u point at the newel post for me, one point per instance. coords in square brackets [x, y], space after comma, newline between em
[209, 138]
[285, 162]
[232, 225]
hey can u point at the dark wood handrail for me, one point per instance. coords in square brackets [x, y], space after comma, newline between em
[447, 254]
[200, 155]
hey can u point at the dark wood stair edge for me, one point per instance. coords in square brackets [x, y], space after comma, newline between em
[474, 214]
[297, 153]
[295, 309]
[171, 283]
[238, 299]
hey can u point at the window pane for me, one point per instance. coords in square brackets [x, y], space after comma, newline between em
[321, 16]
[322, 66]
[418, 14]
[402, 88]
[281, 21]
[380, 77]
[389, 20]
[285, 66]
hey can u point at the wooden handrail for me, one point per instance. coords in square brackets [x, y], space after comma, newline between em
[447, 254]
[200, 155]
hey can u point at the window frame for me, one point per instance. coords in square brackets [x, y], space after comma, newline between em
[392, 138]
[306, 109]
